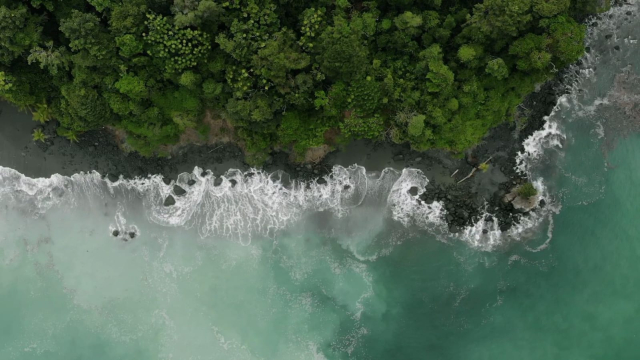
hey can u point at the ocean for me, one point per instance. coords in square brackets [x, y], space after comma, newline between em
[348, 267]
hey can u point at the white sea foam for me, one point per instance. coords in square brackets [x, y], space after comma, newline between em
[238, 204]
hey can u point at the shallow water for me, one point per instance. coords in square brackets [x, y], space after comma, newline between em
[352, 269]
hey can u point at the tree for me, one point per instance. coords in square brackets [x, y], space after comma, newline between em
[341, 51]
[498, 21]
[497, 68]
[549, 8]
[38, 135]
[278, 58]
[176, 49]
[532, 52]
[194, 12]
[19, 31]
[86, 34]
[132, 86]
[566, 39]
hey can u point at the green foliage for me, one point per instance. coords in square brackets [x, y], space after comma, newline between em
[416, 125]
[19, 31]
[132, 86]
[70, 135]
[484, 167]
[177, 49]
[129, 45]
[549, 8]
[49, 58]
[527, 190]
[43, 113]
[189, 79]
[407, 20]
[497, 68]
[6, 82]
[466, 53]
[38, 135]
[363, 127]
[285, 73]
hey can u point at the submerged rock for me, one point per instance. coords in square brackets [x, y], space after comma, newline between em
[115, 233]
[169, 201]
[191, 182]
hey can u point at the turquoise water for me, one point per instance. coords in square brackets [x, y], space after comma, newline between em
[259, 271]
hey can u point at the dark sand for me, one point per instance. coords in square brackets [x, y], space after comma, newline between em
[98, 151]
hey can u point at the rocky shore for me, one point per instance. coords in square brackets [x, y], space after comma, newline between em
[465, 201]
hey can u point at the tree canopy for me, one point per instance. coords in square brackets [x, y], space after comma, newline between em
[286, 74]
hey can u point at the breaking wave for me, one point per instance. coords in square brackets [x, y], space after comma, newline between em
[237, 204]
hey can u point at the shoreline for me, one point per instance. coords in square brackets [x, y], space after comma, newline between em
[98, 151]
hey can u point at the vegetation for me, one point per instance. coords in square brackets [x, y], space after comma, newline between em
[527, 190]
[431, 73]
[38, 135]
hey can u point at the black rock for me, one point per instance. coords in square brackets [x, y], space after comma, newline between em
[179, 191]
[413, 191]
[542, 203]
[112, 178]
[233, 182]
[617, 48]
[115, 233]
[191, 182]
[217, 181]
[489, 218]
[169, 201]
[132, 234]
[166, 180]
[321, 181]
[485, 231]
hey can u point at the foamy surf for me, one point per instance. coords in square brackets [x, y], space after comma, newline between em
[238, 204]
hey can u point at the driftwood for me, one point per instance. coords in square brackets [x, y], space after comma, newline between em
[454, 173]
[474, 170]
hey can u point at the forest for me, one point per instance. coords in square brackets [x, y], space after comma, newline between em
[286, 75]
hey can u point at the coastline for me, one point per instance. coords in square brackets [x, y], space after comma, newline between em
[98, 151]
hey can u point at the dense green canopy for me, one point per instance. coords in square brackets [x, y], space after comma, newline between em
[286, 73]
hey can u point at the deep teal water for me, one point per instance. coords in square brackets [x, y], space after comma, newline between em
[360, 286]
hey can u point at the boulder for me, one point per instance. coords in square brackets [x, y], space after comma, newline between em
[179, 191]
[169, 201]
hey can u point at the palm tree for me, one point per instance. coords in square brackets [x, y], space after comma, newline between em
[38, 135]
[42, 113]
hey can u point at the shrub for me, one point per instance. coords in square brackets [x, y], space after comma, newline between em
[527, 191]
